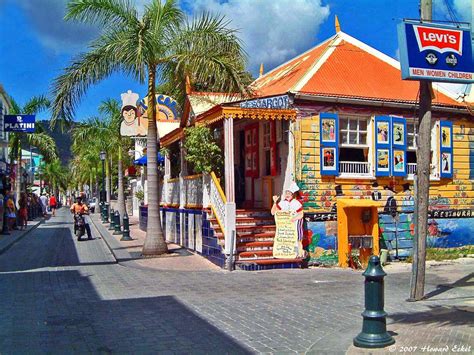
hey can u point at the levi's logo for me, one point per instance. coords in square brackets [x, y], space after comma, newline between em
[438, 39]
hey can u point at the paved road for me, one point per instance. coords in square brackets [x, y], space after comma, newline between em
[58, 295]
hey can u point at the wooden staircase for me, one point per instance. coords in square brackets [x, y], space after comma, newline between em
[255, 231]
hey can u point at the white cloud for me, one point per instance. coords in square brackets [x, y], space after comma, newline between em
[272, 31]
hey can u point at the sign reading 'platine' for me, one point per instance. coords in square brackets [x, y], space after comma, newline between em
[436, 52]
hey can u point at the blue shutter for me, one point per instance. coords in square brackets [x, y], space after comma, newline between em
[399, 147]
[329, 143]
[383, 147]
[446, 149]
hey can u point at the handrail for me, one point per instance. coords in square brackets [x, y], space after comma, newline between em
[192, 177]
[218, 202]
[218, 185]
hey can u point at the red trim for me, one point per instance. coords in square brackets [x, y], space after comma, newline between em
[299, 210]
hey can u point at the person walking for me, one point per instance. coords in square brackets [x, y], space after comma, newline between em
[11, 212]
[23, 212]
[53, 204]
[44, 204]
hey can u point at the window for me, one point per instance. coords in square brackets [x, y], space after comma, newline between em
[353, 146]
[411, 148]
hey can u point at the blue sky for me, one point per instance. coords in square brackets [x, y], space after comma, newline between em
[36, 44]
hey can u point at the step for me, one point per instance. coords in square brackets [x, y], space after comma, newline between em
[248, 221]
[250, 237]
[256, 254]
[254, 246]
[241, 230]
[269, 261]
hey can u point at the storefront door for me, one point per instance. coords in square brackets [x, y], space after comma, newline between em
[251, 162]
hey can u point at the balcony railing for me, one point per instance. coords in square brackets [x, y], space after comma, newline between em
[411, 168]
[354, 168]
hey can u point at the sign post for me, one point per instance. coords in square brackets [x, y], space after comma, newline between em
[430, 52]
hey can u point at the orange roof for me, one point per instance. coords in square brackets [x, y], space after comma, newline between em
[345, 67]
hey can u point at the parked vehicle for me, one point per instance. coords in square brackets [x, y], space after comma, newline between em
[91, 204]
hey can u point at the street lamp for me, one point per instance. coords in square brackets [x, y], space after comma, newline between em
[103, 198]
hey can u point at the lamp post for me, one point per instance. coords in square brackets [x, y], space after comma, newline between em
[102, 156]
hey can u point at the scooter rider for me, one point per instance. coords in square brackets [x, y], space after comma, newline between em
[81, 208]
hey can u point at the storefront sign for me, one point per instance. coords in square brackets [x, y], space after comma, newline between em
[19, 123]
[285, 245]
[276, 102]
[451, 213]
[436, 52]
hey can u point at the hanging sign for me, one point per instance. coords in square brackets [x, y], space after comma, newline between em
[285, 245]
[436, 52]
[135, 119]
[275, 102]
[19, 123]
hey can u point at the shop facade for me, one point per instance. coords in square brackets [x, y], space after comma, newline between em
[340, 122]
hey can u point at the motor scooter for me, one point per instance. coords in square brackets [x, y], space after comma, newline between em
[79, 225]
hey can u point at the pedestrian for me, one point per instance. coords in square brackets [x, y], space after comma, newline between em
[23, 212]
[293, 205]
[44, 204]
[11, 212]
[53, 204]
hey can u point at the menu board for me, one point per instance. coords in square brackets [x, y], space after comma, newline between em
[285, 245]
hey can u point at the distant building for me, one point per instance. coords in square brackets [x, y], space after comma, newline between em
[5, 107]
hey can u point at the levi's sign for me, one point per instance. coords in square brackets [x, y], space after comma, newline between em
[435, 52]
[19, 123]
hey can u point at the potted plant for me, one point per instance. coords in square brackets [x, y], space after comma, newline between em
[140, 195]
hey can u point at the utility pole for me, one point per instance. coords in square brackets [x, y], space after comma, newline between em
[423, 161]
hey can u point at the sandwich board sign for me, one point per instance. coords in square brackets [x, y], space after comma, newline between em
[436, 52]
[19, 123]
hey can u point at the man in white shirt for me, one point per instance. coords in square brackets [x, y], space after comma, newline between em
[44, 203]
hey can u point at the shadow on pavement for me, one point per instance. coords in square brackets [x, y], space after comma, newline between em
[438, 315]
[64, 312]
[466, 281]
[49, 246]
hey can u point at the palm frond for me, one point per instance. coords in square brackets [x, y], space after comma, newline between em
[102, 12]
[36, 105]
[45, 144]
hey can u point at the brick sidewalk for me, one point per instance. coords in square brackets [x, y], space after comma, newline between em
[179, 259]
[7, 241]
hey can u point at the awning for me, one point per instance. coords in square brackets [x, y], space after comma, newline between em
[143, 160]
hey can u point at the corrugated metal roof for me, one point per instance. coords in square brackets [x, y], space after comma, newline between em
[343, 66]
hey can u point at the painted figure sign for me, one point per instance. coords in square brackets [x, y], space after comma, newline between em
[438, 52]
[135, 119]
[328, 126]
[382, 160]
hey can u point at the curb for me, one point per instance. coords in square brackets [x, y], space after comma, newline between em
[14, 241]
[119, 254]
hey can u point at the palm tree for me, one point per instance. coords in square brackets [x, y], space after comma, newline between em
[103, 134]
[56, 175]
[39, 139]
[156, 46]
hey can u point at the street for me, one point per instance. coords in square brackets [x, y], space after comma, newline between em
[59, 295]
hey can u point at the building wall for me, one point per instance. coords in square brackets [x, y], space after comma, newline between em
[451, 200]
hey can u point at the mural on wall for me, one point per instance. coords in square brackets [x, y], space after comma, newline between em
[320, 242]
[451, 202]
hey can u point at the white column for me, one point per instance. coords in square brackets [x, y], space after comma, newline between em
[229, 185]
[182, 192]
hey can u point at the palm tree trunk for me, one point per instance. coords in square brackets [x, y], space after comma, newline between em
[107, 180]
[155, 243]
[121, 197]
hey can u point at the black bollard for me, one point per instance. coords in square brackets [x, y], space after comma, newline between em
[5, 223]
[374, 326]
[112, 220]
[126, 228]
[118, 229]
[106, 212]
[102, 218]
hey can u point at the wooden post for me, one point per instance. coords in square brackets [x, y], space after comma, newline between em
[423, 160]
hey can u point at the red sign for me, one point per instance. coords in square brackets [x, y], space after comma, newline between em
[438, 39]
